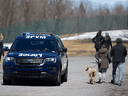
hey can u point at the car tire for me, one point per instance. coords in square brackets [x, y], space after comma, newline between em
[6, 82]
[58, 79]
[65, 76]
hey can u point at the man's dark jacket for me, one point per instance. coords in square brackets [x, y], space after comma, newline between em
[118, 53]
[98, 40]
[107, 41]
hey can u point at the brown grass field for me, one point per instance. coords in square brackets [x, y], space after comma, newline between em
[79, 47]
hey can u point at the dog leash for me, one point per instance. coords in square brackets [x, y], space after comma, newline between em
[94, 66]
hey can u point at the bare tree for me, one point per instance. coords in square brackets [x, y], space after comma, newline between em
[81, 10]
[69, 11]
[27, 10]
[59, 8]
[118, 9]
[40, 7]
[104, 10]
[89, 9]
[126, 8]
[107, 12]
[8, 12]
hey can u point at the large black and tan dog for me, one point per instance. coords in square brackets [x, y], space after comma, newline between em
[91, 74]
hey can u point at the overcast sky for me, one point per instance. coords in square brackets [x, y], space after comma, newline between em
[108, 2]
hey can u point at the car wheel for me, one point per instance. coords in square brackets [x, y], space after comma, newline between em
[6, 82]
[65, 76]
[58, 79]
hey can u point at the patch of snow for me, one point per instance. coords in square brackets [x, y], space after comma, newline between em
[114, 34]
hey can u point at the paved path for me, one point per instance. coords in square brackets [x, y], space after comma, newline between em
[77, 84]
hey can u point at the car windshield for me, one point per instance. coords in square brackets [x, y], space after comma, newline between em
[34, 45]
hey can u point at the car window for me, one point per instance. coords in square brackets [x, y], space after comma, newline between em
[61, 43]
[35, 44]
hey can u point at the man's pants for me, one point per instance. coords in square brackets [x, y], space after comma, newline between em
[120, 67]
[102, 73]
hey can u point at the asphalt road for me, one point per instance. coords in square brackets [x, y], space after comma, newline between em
[77, 84]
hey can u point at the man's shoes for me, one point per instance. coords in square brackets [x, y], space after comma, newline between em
[113, 82]
[119, 84]
[103, 82]
[99, 81]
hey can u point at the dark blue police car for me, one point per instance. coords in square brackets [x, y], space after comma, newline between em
[36, 56]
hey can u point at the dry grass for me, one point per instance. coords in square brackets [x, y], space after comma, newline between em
[83, 47]
[79, 47]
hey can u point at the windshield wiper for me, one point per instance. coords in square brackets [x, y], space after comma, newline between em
[16, 50]
[33, 50]
[46, 49]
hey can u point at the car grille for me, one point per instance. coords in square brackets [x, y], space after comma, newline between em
[29, 73]
[29, 64]
[29, 61]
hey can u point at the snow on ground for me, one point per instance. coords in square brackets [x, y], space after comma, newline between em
[89, 35]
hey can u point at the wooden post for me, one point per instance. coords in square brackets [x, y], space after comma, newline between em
[4, 34]
[102, 22]
[52, 26]
[127, 22]
[78, 27]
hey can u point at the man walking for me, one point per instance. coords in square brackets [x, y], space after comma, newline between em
[98, 40]
[118, 54]
[107, 41]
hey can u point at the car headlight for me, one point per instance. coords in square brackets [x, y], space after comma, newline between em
[50, 60]
[11, 59]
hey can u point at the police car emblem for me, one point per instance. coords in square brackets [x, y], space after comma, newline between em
[29, 60]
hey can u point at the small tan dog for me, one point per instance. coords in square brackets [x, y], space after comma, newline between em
[91, 74]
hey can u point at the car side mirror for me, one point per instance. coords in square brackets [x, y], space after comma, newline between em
[64, 49]
[5, 48]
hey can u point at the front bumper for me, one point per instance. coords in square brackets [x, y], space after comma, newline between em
[29, 75]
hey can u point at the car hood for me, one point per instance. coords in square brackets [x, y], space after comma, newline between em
[31, 54]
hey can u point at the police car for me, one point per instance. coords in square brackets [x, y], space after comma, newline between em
[36, 56]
